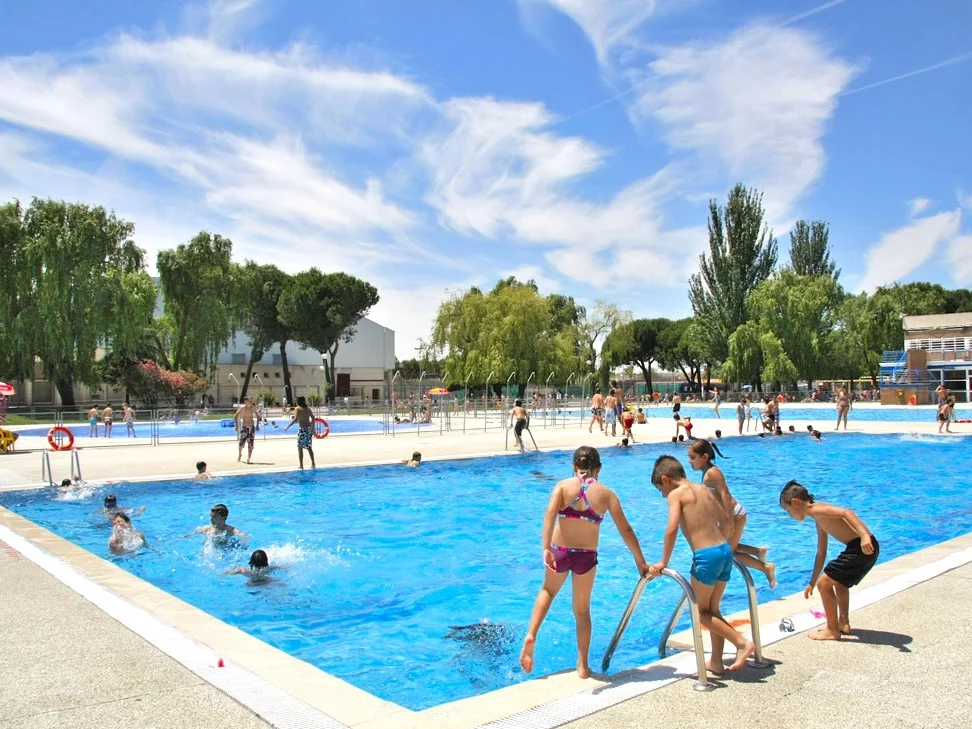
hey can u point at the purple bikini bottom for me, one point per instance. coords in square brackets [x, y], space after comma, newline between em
[577, 561]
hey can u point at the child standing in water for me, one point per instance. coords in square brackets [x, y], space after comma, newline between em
[840, 574]
[701, 456]
[571, 526]
[706, 529]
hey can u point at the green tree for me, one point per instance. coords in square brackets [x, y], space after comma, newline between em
[810, 250]
[684, 344]
[261, 288]
[867, 326]
[638, 342]
[742, 253]
[744, 364]
[79, 284]
[322, 310]
[511, 329]
[601, 321]
[199, 291]
[800, 312]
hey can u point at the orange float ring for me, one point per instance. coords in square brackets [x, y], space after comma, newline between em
[780, 398]
[321, 428]
[913, 400]
[656, 396]
[55, 434]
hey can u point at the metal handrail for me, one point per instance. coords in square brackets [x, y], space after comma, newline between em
[76, 465]
[757, 661]
[703, 683]
[46, 468]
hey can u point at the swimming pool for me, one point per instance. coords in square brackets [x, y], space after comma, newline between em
[821, 417]
[211, 428]
[382, 562]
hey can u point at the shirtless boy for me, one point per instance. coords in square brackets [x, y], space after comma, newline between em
[93, 422]
[245, 421]
[107, 417]
[304, 417]
[519, 419]
[217, 524]
[703, 522]
[611, 413]
[840, 574]
[597, 410]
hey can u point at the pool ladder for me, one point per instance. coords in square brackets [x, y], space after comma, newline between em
[689, 598]
[48, 475]
[525, 430]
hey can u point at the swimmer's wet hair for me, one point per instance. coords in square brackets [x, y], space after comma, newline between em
[795, 490]
[259, 559]
[702, 447]
[667, 466]
[587, 459]
[624, 441]
[518, 402]
[111, 500]
[67, 482]
[220, 509]
[201, 466]
[416, 456]
[123, 516]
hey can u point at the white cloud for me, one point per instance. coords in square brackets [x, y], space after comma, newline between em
[753, 107]
[610, 25]
[917, 206]
[959, 257]
[901, 251]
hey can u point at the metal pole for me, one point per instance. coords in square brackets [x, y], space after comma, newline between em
[418, 428]
[466, 395]
[546, 397]
[757, 661]
[486, 405]
[233, 378]
[392, 402]
[571, 376]
[504, 413]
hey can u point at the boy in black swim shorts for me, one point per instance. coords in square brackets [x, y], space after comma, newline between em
[848, 569]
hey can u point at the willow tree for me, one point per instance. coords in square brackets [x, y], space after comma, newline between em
[742, 253]
[512, 329]
[640, 343]
[199, 292]
[78, 283]
[321, 310]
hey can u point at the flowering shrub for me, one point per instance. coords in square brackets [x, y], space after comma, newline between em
[153, 383]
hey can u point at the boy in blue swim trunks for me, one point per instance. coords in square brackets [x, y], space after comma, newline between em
[706, 529]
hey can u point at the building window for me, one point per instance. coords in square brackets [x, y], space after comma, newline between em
[266, 374]
[239, 359]
[277, 375]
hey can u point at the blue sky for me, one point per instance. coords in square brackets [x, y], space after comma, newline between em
[433, 145]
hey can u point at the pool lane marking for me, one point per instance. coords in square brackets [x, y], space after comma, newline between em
[263, 698]
[641, 680]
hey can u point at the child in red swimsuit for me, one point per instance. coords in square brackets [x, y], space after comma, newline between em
[571, 526]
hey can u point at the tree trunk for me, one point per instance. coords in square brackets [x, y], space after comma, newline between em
[288, 392]
[646, 371]
[255, 354]
[65, 387]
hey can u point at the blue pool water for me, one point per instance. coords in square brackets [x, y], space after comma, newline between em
[213, 428]
[381, 562]
[822, 417]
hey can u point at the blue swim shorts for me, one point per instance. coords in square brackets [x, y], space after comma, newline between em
[712, 564]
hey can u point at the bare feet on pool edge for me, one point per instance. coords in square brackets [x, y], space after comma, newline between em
[742, 654]
[844, 628]
[824, 634]
[771, 574]
[526, 655]
[583, 670]
[716, 669]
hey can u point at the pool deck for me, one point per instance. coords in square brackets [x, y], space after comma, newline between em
[67, 663]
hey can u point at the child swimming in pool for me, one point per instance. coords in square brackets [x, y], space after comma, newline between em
[701, 457]
[258, 570]
[848, 569]
[124, 538]
[706, 529]
[571, 525]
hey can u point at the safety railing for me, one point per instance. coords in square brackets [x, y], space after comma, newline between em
[525, 430]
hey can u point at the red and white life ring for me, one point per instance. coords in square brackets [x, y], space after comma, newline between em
[321, 428]
[56, 435]
[913, 400]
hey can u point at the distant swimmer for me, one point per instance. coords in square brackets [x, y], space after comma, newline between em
[415, 461]
[124, 538]
[111, 508]
[202, 472]
[258, 570]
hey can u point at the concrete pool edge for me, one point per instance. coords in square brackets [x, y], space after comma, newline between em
[260, 676]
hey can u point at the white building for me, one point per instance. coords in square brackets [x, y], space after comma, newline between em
[362, 367]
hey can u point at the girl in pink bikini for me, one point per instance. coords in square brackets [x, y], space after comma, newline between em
[571, 526]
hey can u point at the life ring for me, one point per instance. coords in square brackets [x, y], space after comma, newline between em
[964, 421]
[55, 434]
[780, 398]
[913, 400]
[321, 428]
[656, 396]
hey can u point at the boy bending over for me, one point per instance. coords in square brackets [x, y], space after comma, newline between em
[706, 529]
[840, 574]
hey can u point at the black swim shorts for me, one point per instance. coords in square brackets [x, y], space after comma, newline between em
[851, 565]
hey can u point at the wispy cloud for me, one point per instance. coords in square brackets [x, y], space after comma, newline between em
[917, 206]
[901, 251]
[754, 106]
